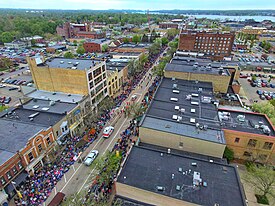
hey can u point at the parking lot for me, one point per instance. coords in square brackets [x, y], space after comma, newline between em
[14, 94]
[251, 92]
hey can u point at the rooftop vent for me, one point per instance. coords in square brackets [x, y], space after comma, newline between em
[192, 120]
[35, 106]
[69, 62]
[34, 115]
[175, 117]
[194, 164]
[74, 67]
[174, 99]
[193, 110]
[45, 109]
[52, 103]
[176, 91]
[195, 103]
[241, 118]
[175, 86]
[180, 169]
[177, 108]
[194, 95]
[173, 79]
[211, 161]
[178, 187]
[61, 62]
[257, 126]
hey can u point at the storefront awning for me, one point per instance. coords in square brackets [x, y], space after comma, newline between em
[18, 180]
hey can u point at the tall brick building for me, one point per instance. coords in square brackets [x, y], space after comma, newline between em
[218, 45]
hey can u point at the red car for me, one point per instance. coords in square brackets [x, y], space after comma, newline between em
[263, 84]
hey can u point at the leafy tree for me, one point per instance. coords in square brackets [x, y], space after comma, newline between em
[126, 40]
[104, 48]
[136, 39]
[136, 110]
[68, 55]
[5, 62]
[262, 179]
[228, 154]
[143, 58]
[6, 37]
[171, 33]
[80, 50]
[75, 43]
[164, 41]
[265, 108]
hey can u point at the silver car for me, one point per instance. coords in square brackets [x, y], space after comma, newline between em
[90, 157]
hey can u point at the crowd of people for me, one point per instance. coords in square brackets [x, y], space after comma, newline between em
[37, 187]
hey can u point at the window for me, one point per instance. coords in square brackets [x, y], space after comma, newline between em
[57, 133]
[48, 140]
[252, 143]
[247, 154]
[237, 140]
[14, 170]
[40, 148]
[3, 181]
[268, 145]
[181, 144]
[90, 76]
[91, 84]
[66, 127]
[8, 175]
[20, 165]
[30, 156]
[262, 157]
[104, 75]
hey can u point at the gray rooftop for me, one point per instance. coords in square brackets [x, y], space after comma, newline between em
[146, 169]
[200, 108]
[129, 45]
[41, 118]
[56, 96]
[126, 53]
[14, 135]
[53, 107]
[113, 65]
[251, 122]
[98, 41]
[80, 64]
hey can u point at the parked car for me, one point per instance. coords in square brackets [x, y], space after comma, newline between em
[12, 88]
[7, 100]
[1, 73]
[2, 99]
[90, 157]
[2, 85]
[262, 97]
[259, 92]
[108, 131]
[268, 97]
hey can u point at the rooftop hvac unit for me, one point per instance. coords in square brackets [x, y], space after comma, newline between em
[180, 169]
[34, 115]
[45, 109]
[193, 110]
[176, 91]
[200, 89]
[194, 164]
[257, 126]
[160, 188]
[52, 103]
[61, 62]
[175, 117]
[69, 62]
[196, 178]
[175, 86]
[74, 67]
[188, 97]
[173, 79]
[266, 130]
[178, 187]
[179, 118]
[35, 106]
[192, 120]
[177, 108]
[182, 110]
[241, 118]
[194, 103]
[194, 95]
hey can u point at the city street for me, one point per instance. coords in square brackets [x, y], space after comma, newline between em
[79, 177]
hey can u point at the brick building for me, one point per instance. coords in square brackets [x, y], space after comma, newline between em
[216, 45]
[90, 34]
[250, 135]
[95, 45]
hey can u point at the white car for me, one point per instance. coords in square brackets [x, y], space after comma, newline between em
[2, 85]
[108, 131]
[90, 157]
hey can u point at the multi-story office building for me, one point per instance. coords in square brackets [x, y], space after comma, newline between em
[216, 45]
[72, 76]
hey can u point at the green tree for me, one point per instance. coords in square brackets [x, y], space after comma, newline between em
[136, 39]
[265, 108]
[143, 58]
[262, 179]
[164, 41]
[68, 55]
[228, 154]
[104, 48]
[126, 40]
[6, 37]
[75, 43]
[80, 50]
[136, 110]
[5, 62]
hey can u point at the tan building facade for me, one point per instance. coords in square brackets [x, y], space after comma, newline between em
[181, 142]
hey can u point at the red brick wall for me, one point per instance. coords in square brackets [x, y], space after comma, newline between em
[90, 35]
[92, 47]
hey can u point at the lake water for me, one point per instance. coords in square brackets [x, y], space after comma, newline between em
[238, 18]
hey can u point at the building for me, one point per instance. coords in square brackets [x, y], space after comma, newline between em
[132, 48]
[24, 148]
[253, 30]
[222, 74]
[76, 107]
[126, 55]
[183, 115]
[117, 74]
[155, 177]
[55, 48]
[18, 44]
[216, 45]
[250, 135]
[95, 45]
[168, 25]
[91, 34]
[72, 76]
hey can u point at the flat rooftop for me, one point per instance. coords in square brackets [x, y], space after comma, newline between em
[126, 53]
[141, 45]
[197, 116]
[146, 169]
[55, 96]
[80, 64]
[49, 106]
[41, 118]
[246, 122]
[113, 65]
[123, 201]
[14, 136]
[211, 68]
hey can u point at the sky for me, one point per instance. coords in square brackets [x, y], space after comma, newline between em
[141, 4]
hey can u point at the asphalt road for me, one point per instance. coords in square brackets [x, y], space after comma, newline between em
[79, 177]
